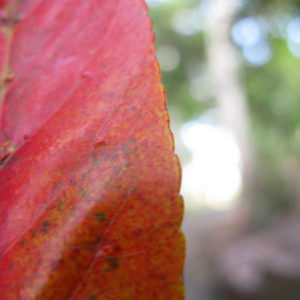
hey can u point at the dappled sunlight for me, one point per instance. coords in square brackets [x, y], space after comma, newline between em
[187, 21]
[168, 57]
[212, 178]
[248, 33]
[293, 36]
[154, 3]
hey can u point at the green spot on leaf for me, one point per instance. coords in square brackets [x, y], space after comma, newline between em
[101, 216]
[45, 226]
[112, 263]
[84, 192]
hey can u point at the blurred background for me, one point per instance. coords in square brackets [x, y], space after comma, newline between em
[231, 71]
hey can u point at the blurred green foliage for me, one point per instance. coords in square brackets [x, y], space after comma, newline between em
[272, 88]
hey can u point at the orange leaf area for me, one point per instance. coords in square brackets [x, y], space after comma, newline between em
[89, 183]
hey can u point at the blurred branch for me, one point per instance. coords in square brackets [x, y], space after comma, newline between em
[230, 97]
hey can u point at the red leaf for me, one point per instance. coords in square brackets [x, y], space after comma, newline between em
[89, 182]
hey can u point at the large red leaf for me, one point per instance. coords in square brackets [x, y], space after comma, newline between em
[88, 182]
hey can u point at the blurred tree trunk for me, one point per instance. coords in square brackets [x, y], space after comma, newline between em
[229, 94]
